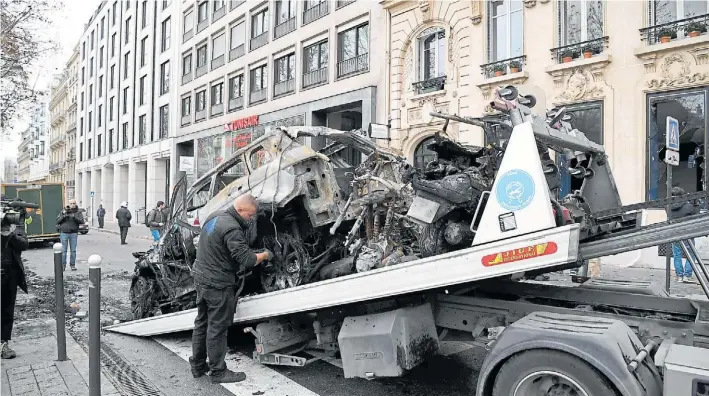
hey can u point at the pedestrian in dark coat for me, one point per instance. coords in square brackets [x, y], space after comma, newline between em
[223, 255]
[13, 242]
[101, 214]
[123, 216]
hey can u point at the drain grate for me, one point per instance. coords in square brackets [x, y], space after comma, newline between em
[129, 381]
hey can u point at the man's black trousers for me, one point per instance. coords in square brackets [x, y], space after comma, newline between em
[124, 234]
[8, 290]
[215, 313]
[100, 222]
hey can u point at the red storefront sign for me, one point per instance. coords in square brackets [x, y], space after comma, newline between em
[241, 123]
[238, 141]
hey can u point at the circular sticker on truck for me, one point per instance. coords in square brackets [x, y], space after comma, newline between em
[515, 190]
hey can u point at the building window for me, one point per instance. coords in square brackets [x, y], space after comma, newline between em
[217, 94]
[237, 38]
[188, 24]
[92, 40]
[201, 56]
[587, 118]
[83, 75]
[165, 78]
[186, 106]
[125, 100]
[689, 108]
[259, 82]
[505, 29]
[142, 90]
[144, 15]
[142, 129]
[202, 12]
[113, 75]
[113, 13]
[98, 146]
[100, 107]
[218, 48]
[100, 86]
[353, 51]
[285, 17]
[665, 11]
[431, 60]
[143, 51]
[236, 87]
[423, 155]
[91, 67]
[89, 150]
[200, 105]
[125, 135]
[91, 93]
[164, 121]
[127, 28]
[187, 64]
[110, 141]
[110, 109]
[580, 20]
[218, 5]
[100, 57]
[113, 45]
[125, 65]
[81, 126]
[284, 75]
[90, 123]
[81, 151]
[103, 30]
[165, 35]
[259, 23]
[166, 3]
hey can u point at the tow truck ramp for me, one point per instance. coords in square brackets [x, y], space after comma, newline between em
[544, 249]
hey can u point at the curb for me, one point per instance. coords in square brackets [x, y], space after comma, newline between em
[118, 233]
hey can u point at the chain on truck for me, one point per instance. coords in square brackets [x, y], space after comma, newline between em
[603, 337]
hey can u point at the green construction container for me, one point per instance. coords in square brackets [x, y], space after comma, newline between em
[40, 224]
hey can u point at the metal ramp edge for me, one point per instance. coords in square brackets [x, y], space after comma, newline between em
[444, 270]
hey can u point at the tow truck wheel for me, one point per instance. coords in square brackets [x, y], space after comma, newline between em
[549, 373]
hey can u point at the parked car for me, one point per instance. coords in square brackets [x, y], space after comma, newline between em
[84, 228]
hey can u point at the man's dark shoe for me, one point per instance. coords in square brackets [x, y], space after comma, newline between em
[228, 376]
[7, 352]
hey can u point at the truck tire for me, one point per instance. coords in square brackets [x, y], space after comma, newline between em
[549, 372]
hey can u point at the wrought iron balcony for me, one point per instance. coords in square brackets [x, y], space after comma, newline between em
[258, 96]
[316, 12]
[585, 49]
[284, 87]
[353, 65]
[430, 85]
[218, 62]
[236, 103]
[315, 77]
[237, 52]
[342, 3]
[284, 28]
[666, 32]
[259, 41]
[504, 66]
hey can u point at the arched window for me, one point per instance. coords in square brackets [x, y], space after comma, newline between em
[422, 155]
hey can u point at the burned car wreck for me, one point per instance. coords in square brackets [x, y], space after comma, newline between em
[324, 217]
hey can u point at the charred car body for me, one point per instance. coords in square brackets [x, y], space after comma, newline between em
[323, 217]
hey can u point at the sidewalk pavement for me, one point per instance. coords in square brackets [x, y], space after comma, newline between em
[136, 230]
[35, 370]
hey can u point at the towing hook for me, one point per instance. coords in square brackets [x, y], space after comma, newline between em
[251, 330]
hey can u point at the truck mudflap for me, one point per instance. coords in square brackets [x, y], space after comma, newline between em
[607, 345]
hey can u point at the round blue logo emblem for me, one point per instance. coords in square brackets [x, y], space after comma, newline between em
[515, 190]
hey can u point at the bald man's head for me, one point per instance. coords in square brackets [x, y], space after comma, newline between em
[246, 205]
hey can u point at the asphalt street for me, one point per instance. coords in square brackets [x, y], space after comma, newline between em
[161, 364]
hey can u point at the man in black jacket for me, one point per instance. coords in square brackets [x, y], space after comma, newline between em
[13, 241]
[68, 223]
[222, 256]
[123, 216]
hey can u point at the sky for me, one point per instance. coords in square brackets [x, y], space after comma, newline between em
[67, 27]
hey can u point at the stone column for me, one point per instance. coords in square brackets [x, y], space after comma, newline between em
[120, 188]
[85, 197]
[136, 189]
[157, 172]
[107, 181]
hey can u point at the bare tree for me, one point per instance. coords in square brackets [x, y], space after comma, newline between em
[22, 48]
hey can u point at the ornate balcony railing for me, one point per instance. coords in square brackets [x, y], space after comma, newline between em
[237, 52]
[316, 12]
[284, 28]
[430, 85]
[284, 87]
[665, 32]
[258, 96]
[236, 103]
[504, 66]
[353, 65]
[259, 41]
[585, 49]
[315, 77]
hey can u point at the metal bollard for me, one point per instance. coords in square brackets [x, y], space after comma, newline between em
[95, 325]
[59, 299]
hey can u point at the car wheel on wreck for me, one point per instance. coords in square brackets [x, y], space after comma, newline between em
[289, 265]
[142, 297]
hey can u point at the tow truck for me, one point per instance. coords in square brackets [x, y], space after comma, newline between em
[603, 337]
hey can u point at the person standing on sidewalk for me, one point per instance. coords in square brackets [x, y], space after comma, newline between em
[683, 271]
[223, 255]
[68, 223]
[156, 220]
[100, 213]
[123, 216]
[13, 241]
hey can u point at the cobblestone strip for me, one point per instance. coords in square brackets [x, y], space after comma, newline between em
[37, 379]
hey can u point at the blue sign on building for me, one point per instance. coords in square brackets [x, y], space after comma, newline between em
[672, 134]
[515, 190]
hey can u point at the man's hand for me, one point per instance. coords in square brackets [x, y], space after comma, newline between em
[266, 255]
[270, 255]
